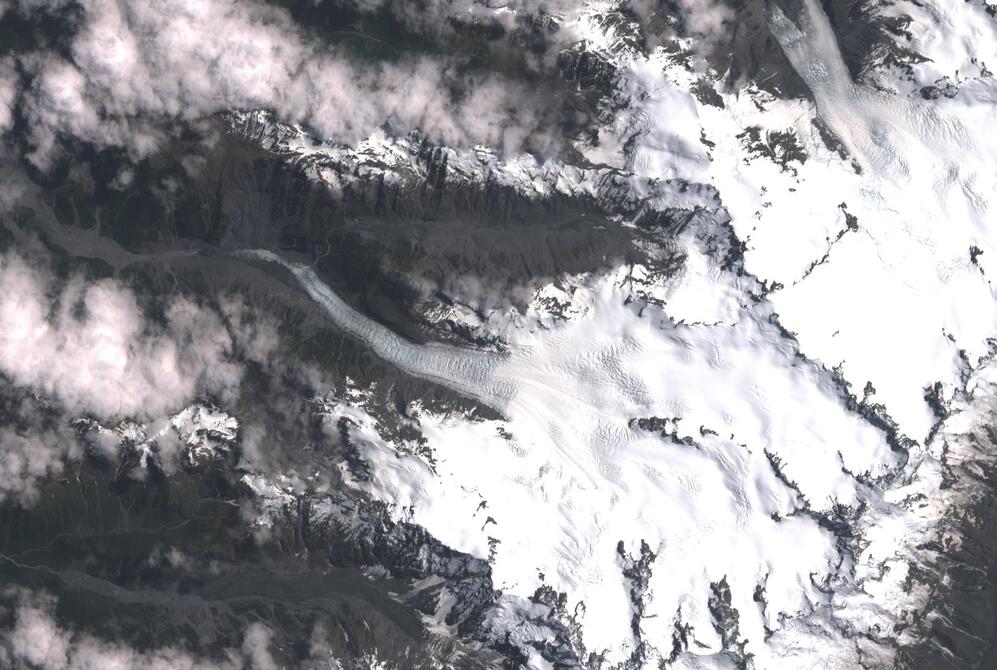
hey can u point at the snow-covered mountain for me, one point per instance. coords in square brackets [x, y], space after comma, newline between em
[699, 376]
[759, 434]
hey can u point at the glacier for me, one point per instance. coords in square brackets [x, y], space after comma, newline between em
[715, 445]
[710, 383]
[713, 432]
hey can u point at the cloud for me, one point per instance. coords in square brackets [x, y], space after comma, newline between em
[708, 22]
[37, 640]
[72, 348]
[256, 333]
[90, 345]
[436, 17]
[256, 647]
[8, 91]
[33, 444]
[134, 65]
[531, 33]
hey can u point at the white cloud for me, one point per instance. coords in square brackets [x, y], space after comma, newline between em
[29, 455]
[435, 16]
[707, 21]
[90, 346]
[38, 640]
[136, 64]
[257, 335]
[8, 91]
[256, 647]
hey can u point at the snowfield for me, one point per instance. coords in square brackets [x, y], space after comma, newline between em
[717, 438]
[716, 445]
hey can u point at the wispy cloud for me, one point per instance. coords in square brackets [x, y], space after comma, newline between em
[34, 443]
[89, 345]
[36, 639]
[707, 22]
[131, 66]
[92, 347]
[8, 91]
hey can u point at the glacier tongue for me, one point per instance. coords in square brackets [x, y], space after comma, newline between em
[465, 370]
